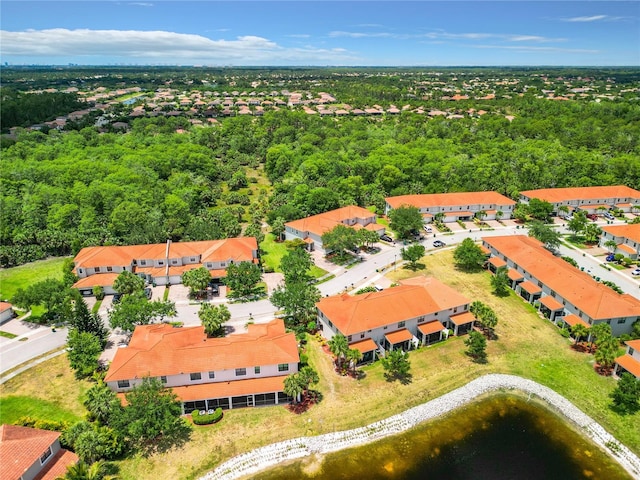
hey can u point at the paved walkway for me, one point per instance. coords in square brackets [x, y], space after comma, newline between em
[272, 455]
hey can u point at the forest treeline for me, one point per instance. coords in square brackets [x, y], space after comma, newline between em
[62, 191]
[26, 109]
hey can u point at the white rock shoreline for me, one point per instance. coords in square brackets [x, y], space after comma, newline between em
[271, 455]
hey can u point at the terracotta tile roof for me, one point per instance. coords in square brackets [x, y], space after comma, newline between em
[630, 364]
[557, 195]
[323, 222]
[571, 320]
[364, 346]
[156, 350]
[431, 327]
[630, 231]
[20, 447]
[463, 318]
[635, 344]
[551, 303]
[593, 207]
[626, 248]
[399, 336]
[415, 297]
[100, 279]
[595, 299]
[485, 250]
[514, 274]
[497, 262]
[236, 249]
[531, 288]
[4, 306]
[450, 199]
[57, 466]
[249, 386]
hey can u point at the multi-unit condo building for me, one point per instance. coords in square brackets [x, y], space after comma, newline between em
[630, 361]
[563, 293]
[627, 238]
[587, 199]
[456, 206]
[160, 263]
[419, 311]
[6, 312]
[240, 370]
[312, 228]
[32, 454]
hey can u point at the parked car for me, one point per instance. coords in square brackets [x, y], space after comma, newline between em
[386, 238]
[148, 292]
[213, 288]
[592, 216]
[427, 228]
[439, 243]
[116, 298]
[611, 257]
[608, 216]
[636, 272]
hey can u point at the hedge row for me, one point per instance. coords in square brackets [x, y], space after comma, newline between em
[207, 418]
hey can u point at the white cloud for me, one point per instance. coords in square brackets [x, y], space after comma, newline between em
[593, 18]
[158, 46]
[537, 49]
[442, 35]
[141, 4]
[298, 35]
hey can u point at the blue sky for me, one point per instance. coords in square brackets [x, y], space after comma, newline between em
[321, 33]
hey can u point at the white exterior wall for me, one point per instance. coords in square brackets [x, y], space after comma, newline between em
[86, 272]
[6, 315]
[36, 467]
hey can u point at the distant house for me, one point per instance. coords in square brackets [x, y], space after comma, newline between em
[417, 312]
[32, 454]
[562, 293]
[311, 229]
[240, 370]
[6, 312]
[587, 199]
[455, 206]
[160, 263]
[627, 238]
[630, 361]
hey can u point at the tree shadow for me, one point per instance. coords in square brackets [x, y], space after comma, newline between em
[403, 379]
[178, 436]
[414, 266]
[312, 398]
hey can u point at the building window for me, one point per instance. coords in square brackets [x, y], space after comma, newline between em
[109, 269]
[241, 372]
[256, 370]
[123, 383]
[622, 320]
[143, 263]
[420, 319]
[160, 262]
[195, 376]
[401, 324]
[362, 335]
[385, 327]
[47, 453]
[212, 374]
[192, 259]
[223, 264]
[349, 338]
[283, 367]
[174, 262]
[163, 379]
[455, 309]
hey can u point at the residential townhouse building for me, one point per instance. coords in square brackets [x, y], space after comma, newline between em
[419, 311]
[630, 361]
[240, 370]
[311, 229]
[160, 263]
[6, 312]
[563, 293]
[588, 199]
[627, 238]
[32, 454]
[456, 206]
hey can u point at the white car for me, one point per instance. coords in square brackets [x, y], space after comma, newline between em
[636, 272]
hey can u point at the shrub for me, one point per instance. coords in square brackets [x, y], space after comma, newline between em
[52, 425]
[207, 418]
[304, 359]
[98, 292]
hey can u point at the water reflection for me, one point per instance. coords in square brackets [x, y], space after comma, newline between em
[503, 437]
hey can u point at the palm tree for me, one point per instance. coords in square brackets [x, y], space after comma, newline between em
[339, 346]
[599, 331]
[499, 215]
[578, 331]
[564, 209]
[481, 214]
[306, 377]
[83, 471]
[607, 351]
[293, 387]
[611, 245]
[353, 356]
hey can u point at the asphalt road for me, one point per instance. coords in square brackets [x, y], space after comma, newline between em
[368, 272]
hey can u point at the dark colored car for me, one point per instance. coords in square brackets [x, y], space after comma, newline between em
[592, 216]
[386, 238]
[438, 243]
[611, 257]
[116, 298]
[148, 292]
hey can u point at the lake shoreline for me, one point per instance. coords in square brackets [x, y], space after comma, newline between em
[297, 448]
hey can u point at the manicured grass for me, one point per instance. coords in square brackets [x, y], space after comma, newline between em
[272, 253]
[48, 391]
[7, 334]
[11, 279]
[382, 221]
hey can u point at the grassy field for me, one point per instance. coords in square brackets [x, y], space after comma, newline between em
[11, 279]
[274, 251]
[528, 346]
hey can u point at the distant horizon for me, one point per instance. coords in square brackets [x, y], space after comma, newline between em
[292, 67]
[382, 33]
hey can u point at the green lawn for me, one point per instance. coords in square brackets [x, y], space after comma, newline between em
[272, 253]
[14, 407]
[7, 334]
[11, 279]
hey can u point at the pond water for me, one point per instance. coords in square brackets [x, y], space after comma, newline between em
[499, 438]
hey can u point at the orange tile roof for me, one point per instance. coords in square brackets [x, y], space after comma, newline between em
[514, 274]
[189, 393]
[237, 249]
[156, 350]
[463, 318]
[99, 279]
[571, 320]
[592, 207]
[431, 327]
[4, 306]
[551, 303]
[630, 364]
[635, 344]
[485, 250]
[57, 466]
[415, 297]
[364, 346]
[450, 199]
[630, 231]
[626, 248]
[324, 222]
[557, 195]
[497, 262]
[399, 336]
[532, 288]
[595, 299]
[20, 447]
